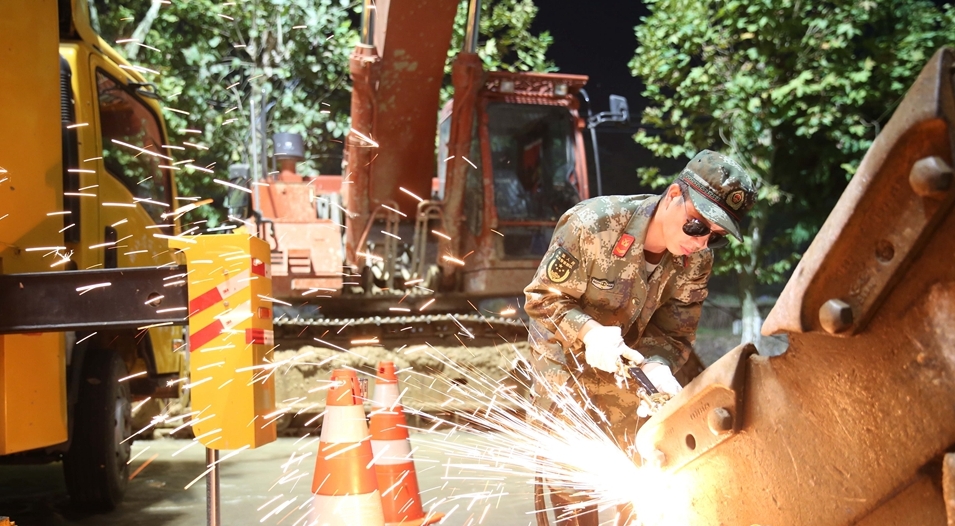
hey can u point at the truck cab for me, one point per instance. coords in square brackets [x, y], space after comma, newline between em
[95, 192]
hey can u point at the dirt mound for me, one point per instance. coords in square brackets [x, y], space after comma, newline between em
[425, 371]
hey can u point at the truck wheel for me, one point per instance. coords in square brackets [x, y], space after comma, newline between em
[95, 467]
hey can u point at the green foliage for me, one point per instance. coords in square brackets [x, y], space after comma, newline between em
[505, 39]
[216, 57]
[795, 90]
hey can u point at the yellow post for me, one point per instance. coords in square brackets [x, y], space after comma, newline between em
[230, 333]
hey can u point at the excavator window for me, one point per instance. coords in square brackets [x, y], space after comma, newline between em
[126, 119]
[532, 149]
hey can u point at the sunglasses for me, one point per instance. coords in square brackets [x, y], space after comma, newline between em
[696, 228]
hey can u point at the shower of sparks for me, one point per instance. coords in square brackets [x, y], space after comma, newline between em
[273, 300]
[370, 257]
[140, 44]
[567, 445]
[139, 69]
[142, 150]
[454, 260]
[511, 446]
[395, 210]
[143, 466]
[134, 375]
[409, 192]
[83, 339]
[232, 185]
[86, 288]
[338, 206]
[179, 212]
[208, 171]
[177, 238]
[369, 140]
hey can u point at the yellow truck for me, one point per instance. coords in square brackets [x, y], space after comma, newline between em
[92, 194]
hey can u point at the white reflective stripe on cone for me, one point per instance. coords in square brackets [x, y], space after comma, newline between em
[397, 452]
[385, 395]
[347, 510]
[344, 423]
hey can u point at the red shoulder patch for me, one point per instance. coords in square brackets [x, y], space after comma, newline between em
[623, 245]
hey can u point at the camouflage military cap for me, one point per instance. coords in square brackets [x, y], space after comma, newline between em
[720, 189]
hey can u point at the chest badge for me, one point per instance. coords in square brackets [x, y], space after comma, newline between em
[602, 284]
[623, 245]
[561, 265]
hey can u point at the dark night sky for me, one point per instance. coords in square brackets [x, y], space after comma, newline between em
[596, 38]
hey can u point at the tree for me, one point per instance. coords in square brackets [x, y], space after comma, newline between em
[215, 59]
[794, 90]
[289, 56]
[509, 44]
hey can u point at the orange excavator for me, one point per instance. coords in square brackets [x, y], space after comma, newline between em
[404, 235]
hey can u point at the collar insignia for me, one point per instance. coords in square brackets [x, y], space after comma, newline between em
[623, 245]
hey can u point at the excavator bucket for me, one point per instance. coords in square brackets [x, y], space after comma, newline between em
[853, 423]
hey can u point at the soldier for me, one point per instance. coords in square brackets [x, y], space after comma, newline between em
[627, 276]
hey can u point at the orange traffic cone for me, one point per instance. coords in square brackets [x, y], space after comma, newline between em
[345, 487]
[394, 466]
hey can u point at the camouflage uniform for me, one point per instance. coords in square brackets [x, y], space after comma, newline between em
[595, 269]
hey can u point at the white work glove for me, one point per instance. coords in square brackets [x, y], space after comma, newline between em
[661, 377]
[603, 347]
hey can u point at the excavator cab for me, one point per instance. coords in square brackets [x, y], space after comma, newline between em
[525, 167]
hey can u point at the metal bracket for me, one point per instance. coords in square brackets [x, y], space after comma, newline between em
[93, 299]
[707, 412]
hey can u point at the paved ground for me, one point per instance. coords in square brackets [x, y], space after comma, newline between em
[36, 496]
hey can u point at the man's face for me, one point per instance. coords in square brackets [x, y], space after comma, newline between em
[679, 209]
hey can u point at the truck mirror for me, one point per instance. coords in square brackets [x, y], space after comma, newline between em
[237, 201]
[620, 108]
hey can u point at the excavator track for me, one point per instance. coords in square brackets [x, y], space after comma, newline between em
[399, 330]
